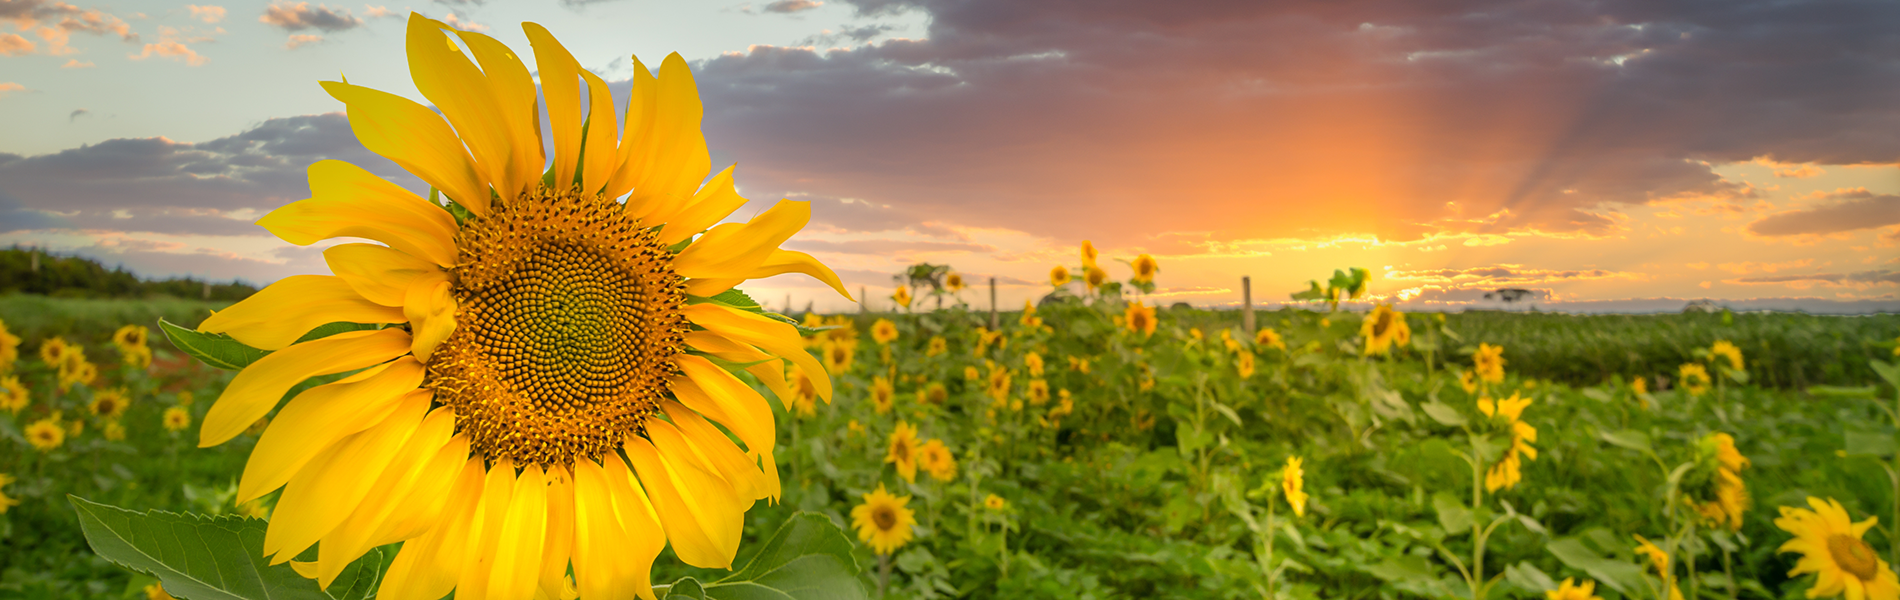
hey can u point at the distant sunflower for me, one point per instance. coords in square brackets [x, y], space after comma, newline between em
[994, 502]
[46, 434]
[1079, 364]
[1089, 255]
[53, 351]
[1038, 392]
[1268, 338]
[176, 418]
[114, 431]
[9, 349]
[935, 393]
[1140, 318]
[1145, 268]
[13, 395]
[883, 331]
[1029, 318]
[1714, 487]
[1831, 548]
[1574, 591]
[901, 296]
[1506, 413]
[1489, 362]
[937, 346]
[883, 522]
[1033, 362]
[839, 355]
[903, 451]
[1381, 328]
[6, 502]
[935, 458]
[1094, 276]
[1243, 363]
[953, 282]
[881, 394]
[1293, 484]
[1695, 379]
[999, 384]
[109, 403]
[1059, 276]
[1725, 349]
[546, 361]
[804, 400]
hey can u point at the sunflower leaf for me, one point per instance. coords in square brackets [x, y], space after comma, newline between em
[214, 349]
[194, 556]
[808, 559]
[329, 329]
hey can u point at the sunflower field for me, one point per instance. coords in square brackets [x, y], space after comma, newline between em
[1096, 446]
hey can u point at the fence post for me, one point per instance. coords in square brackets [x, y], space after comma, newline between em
[992, 304]
[1246, 305]
[864, 302]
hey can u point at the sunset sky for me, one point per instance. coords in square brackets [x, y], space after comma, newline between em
[1608, 155]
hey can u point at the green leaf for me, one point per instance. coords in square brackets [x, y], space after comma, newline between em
[734, 298]
[808, 559]
[1528, 576]
[1836, 391]
[1624, 576]
[1454, 517]
[194, 556]
[1888, 371]
[1629, 438]
[213, 349]
[1404, 568]
[1313, 294]
[1867, 443]
[1443, 413]
[687, 588]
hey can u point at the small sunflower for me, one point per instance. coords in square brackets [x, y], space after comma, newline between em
[1029, 318]
[1140, 318]
[936, 460]
[937, 346]
[1506, 413]
[970, 373]
[999, 385]
[177, 418]
[1293, 484]
[1489, 362]
[935, 393]
[46, 434]
[883, 522]
[953, 282]
[1657, 558]
[110, 403]
[804, 400]
[1695, 379]
[1033, 362]
[1244, 364]
[1639, 387]
[1079, 364]
[994, 502]
[901, 296]
[1059, 276]
[883, 331]
[1381, 329]
[1268, 338]
[13, 395]
[1725, 349]
[1094, 277]
[882, 394]
[1145, 268]
[1831, 548]
[5, 501]
[1568, 590]
[903, 451]
[1468, 380]
[839, 355]
[1038, 392]
[53, 351]
[114, 431]
[9, 349]
[1089, 255]
[1714, 487]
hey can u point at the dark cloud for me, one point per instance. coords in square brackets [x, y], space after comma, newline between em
[786, 7]
[299, 16]
[1843, 211]
[1856, 279]
[847, 35]
[1501, 275]
[159, 185]
[1116, 119]
[77, 113]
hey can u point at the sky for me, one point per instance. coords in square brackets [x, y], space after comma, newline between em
[1606, 155]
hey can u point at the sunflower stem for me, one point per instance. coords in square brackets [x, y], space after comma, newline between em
[883, 573]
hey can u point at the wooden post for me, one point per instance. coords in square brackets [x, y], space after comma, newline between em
[207, 289]
[35, 253]
[864, 302]
[788, 304]
[1246, 305]
[992, 304]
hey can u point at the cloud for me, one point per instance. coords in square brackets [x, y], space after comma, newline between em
[217, 187]
[786, 7]
[8, 87]
[301, 16]
[1503, 275]
[74, 63]
[1857, 280]
[379, 12]
[1842, 211]
[11, 44]
[459, 23]
[77, 113]
[54, 22]
[169, 46]
[208, 14]
[301, 39]
[847, 35]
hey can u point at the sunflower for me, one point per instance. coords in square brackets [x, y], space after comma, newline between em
[1508, 471]
[903, 451]
[1728, 350]
[6, 502]
[1038, 392]
[1244, 364]
[994, 502]
[13, 395]
[883, 331]
[131, 342]
[1059, 276]
[839, 354]
[1089, 255]
[53, 351]
[1489, 362]
[1029, 318]
[1714, 487]
[1079, 364]
[999, 384]
[1145, 268]
[936, 459]
[1831, 548]
[46, 434]
[1568, 590]
[970, 373]
[156, 592]
[953, 282]
[1140, 318]
[114, 431]
[1469, 381]
[110, 404]
[1639, 387]
[548, 361]
[883, 522]
[1268, 338]
[881, 394]
[937, 346]
[1695, 379]
[1094, 276]
[1293, 483]
[9, 349]
[901, 296]
[177, 418]
[804, 400]
[935, 393]
[1033, 362]
[1657, 558]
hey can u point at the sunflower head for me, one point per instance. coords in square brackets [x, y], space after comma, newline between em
[1244, 364]
[1038, 392]
[935, 393]
[839, 355]
[1089, 255]
[881, 394]
[936, 459]
[999, 384]
[1489, 362]
[1059, 276]
[1145, 268]
[1714, 486]
[110, 403]
[903, 450]
[46, 434]
[883, 521]
[953, 282]
[1140, 318]
[1293, 484]
[1033, 362]
[1727, 350]
[1657, 558]
[177, 418]
[1570, 590]
[994, 502]
[1831, 548]
[1695, 378]
[1268, 338]
[53, 351]
[901, 296]
[130, 336]
[1094, 276]
[13, 395]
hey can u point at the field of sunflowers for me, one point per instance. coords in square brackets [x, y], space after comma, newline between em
[1094, 445]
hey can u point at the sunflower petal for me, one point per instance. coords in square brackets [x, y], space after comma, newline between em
[319, 417]
[416, 139]
[643, 95]
[431, 314]
[486, 106]
[419, 506]
[518, 546]
[427, 567]
[740, 408]
[613, 548]
[771, 373]
[347, 201]
[258, 388]
[283, 311]
[734, 249]
[715, 201]
[354, 535]
[601, 140]
[558, 548]
[769, 335]
[562, 89]
[779, 262]
[717, 450]
[700, 512]
[663, 152]
[478, 565]
[379, 273]
[328, 489]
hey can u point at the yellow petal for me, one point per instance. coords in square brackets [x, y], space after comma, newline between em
[718, 451]
[715, 201]
[416, 139]
[665, 155]
[701, 514]
[608, 562]
[770, 335]
[731, 401]
[381, 274]
[325, 492]
[562, 89]
[319, 417]
[559, 546]
[707, 287]
[771, 373]
[308, 570]
[734, 250]
[478, 565]
[518, 545]
[258, 388]
[779, 262]
[353, 536]
[427, 567]
[643, 95]
[347, 201]
[282, 312]
[419, 506]
[601, 141]
[486, 106]
[431, 314]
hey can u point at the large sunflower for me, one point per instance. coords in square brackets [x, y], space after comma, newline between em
[549, 363]
[1831, 549]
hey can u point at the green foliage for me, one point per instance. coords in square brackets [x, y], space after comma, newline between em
[214, 349]
[210, 558]
[808, 559]
[79, 277]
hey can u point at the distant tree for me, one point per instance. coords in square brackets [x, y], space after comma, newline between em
[33, 271]
[1509, 295]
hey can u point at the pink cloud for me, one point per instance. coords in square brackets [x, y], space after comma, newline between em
[208, 14]
[9, 88]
